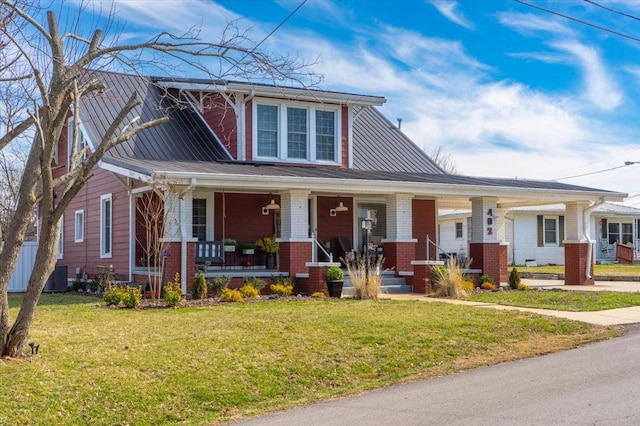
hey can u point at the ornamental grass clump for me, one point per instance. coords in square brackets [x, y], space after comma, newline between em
[365, 275]
[449, 281]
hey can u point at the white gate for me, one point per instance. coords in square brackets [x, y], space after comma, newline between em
[22, 272]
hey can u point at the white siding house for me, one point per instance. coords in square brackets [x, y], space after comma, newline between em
[536, 234]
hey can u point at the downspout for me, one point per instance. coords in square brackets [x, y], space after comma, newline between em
[183, 239]
[587, 224]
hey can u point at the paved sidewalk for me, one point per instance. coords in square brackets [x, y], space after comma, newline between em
[609, 317]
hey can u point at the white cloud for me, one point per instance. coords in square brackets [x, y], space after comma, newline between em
[529, 24]
[601, 88]
[448, 9]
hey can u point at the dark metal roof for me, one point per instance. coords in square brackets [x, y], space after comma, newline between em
[148, 167]
[379, 145]
[185, 137]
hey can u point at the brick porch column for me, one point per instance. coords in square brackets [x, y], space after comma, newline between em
[575, 264]
[421, 280]
[399, 246]
[576, 245]
[485, 250]
[491, 258]
[318, 277]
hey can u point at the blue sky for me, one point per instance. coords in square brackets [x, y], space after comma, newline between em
[507, 90]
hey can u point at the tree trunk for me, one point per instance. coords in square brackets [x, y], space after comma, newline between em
[43, 267]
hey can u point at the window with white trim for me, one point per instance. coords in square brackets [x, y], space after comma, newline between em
[106, 225]
[550, 231]
[82, 143]
[61, 239]
[199, 218]
[79, 226]
[297, 132]
[458, 230]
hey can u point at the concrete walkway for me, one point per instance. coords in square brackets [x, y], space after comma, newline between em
[609, 317]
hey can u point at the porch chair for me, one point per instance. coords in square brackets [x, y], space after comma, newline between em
[348, 253]
[208, 253]
[605, 247]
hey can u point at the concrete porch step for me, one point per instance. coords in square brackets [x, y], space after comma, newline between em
[390, 285]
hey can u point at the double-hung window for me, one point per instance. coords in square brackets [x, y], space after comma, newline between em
[300, 132]
[458, 230]
[550, 231]
[199, 218]
[79, 226]
[106, 225]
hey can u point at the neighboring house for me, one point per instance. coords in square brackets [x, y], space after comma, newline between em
[245, 161]
[536, 233]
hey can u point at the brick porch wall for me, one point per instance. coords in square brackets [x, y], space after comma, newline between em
[491, 258]
[399, 255]
[575, 263]
[294, 256]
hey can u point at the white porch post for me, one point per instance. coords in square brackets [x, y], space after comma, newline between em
[399, 246]
[483, 219]
[578, 246]
[294, 215]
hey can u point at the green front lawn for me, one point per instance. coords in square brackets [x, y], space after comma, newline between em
[613, 269]
[210, 365]
[563, 300]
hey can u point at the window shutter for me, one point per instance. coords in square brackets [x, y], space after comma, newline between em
[603, 230]
[561, 230]
[540, 232]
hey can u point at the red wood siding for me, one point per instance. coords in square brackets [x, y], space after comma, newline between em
[424, 223]
[221, 117]
[86, 255]
[244, 220]
[332, 227]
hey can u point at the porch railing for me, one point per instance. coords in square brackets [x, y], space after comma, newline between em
[317, 245]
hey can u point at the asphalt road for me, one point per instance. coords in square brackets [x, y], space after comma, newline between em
[598, 384]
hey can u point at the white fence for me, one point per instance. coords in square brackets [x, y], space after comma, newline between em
[20, 277]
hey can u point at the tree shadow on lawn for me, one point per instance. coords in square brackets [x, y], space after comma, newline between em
[52, 299]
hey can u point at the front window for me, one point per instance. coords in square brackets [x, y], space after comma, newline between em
[620, 233]
[106, 226]
[82, 143]
[302, 132]
[550, 231]
[199, 219]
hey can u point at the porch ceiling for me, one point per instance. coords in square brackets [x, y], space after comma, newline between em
[452, 191]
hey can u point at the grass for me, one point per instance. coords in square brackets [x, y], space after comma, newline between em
[613, 269]
[210, 365]
[565, 300]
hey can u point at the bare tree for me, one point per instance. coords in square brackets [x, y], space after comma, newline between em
[12, 161]
[442, 159]
[50, 63]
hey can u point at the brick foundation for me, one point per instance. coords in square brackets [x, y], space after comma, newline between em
[575, 264]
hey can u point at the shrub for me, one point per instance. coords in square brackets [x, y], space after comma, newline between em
[281, 289]
[78, 285]
[484, 278]
[487, 286]
[448, 282]
[281, 279]
[131, 297]
[217, 284]
[199, 287]
[365, 276]
[438, 271]
[318, 294]
[514, 279]
[113, 295]
[334, 273]
[173, 292]
[230, 295]
[523, 287]
[468, 286]
[248, 291]
[256, 283]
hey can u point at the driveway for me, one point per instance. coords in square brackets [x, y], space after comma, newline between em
[598, 384]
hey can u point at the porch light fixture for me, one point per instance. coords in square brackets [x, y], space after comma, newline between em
[340, 207]
[272, 204]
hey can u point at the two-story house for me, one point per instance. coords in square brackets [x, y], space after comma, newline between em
[244, 161]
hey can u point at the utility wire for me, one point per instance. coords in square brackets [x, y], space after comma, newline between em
[293, 12]
[612, 10]
[571, 18]
[628, 163]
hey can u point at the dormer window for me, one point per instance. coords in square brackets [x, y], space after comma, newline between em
[300, 133]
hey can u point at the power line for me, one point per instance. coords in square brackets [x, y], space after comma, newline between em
[612, 10]
[628, 163]
[571, 18]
